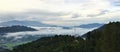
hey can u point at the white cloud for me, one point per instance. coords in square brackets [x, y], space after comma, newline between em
[49, 31]
[60, 12]
[53, 5]
[18, 5]
[104, 18]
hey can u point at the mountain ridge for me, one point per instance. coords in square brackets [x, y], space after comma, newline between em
[90, 25]
[40, 24]
[17, 28]
[25, 23]
[103, 39]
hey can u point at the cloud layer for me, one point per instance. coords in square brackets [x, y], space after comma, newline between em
[61, 12]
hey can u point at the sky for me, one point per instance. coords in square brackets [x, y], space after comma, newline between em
[61, 12]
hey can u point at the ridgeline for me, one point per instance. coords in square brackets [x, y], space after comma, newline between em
[103, 39]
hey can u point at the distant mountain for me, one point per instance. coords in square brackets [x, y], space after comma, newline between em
[25, 23]
[66, 27]
[92, 25]
[11, 29]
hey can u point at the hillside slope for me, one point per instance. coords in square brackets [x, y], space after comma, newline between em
[104, 39]
[16, 28]
[60, 43]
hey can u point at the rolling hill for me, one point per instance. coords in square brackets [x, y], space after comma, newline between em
[92, 25]
[25, 23]
[103, 39]
[17, 28]
[58, 43]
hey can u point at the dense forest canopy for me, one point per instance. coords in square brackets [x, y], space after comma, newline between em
[62, 43]
[104, 39]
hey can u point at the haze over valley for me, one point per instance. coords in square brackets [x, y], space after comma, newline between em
[59, 25]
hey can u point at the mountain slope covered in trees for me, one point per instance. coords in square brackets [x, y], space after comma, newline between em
[60, 43]
[104, 39]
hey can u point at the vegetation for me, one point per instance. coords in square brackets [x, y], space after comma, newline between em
[16, 28]
[11, 45]
[60, 43]
[4, 50]
[103, 39]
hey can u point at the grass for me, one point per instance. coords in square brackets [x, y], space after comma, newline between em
[11, 45]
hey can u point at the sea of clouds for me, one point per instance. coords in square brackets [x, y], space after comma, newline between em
[49, 31]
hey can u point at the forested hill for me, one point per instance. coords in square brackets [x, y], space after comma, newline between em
[56, 43]
[104, 39]
[16, 28]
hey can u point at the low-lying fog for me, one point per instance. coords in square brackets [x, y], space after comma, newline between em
[47, 31]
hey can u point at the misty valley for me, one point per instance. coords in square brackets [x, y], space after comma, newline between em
[59, 25]
[28, 38]
[12, 37]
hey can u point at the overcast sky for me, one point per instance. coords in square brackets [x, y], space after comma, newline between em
[61, 12]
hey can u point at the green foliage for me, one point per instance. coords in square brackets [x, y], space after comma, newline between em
[61, 43]
[11, 45]
[103, 39]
